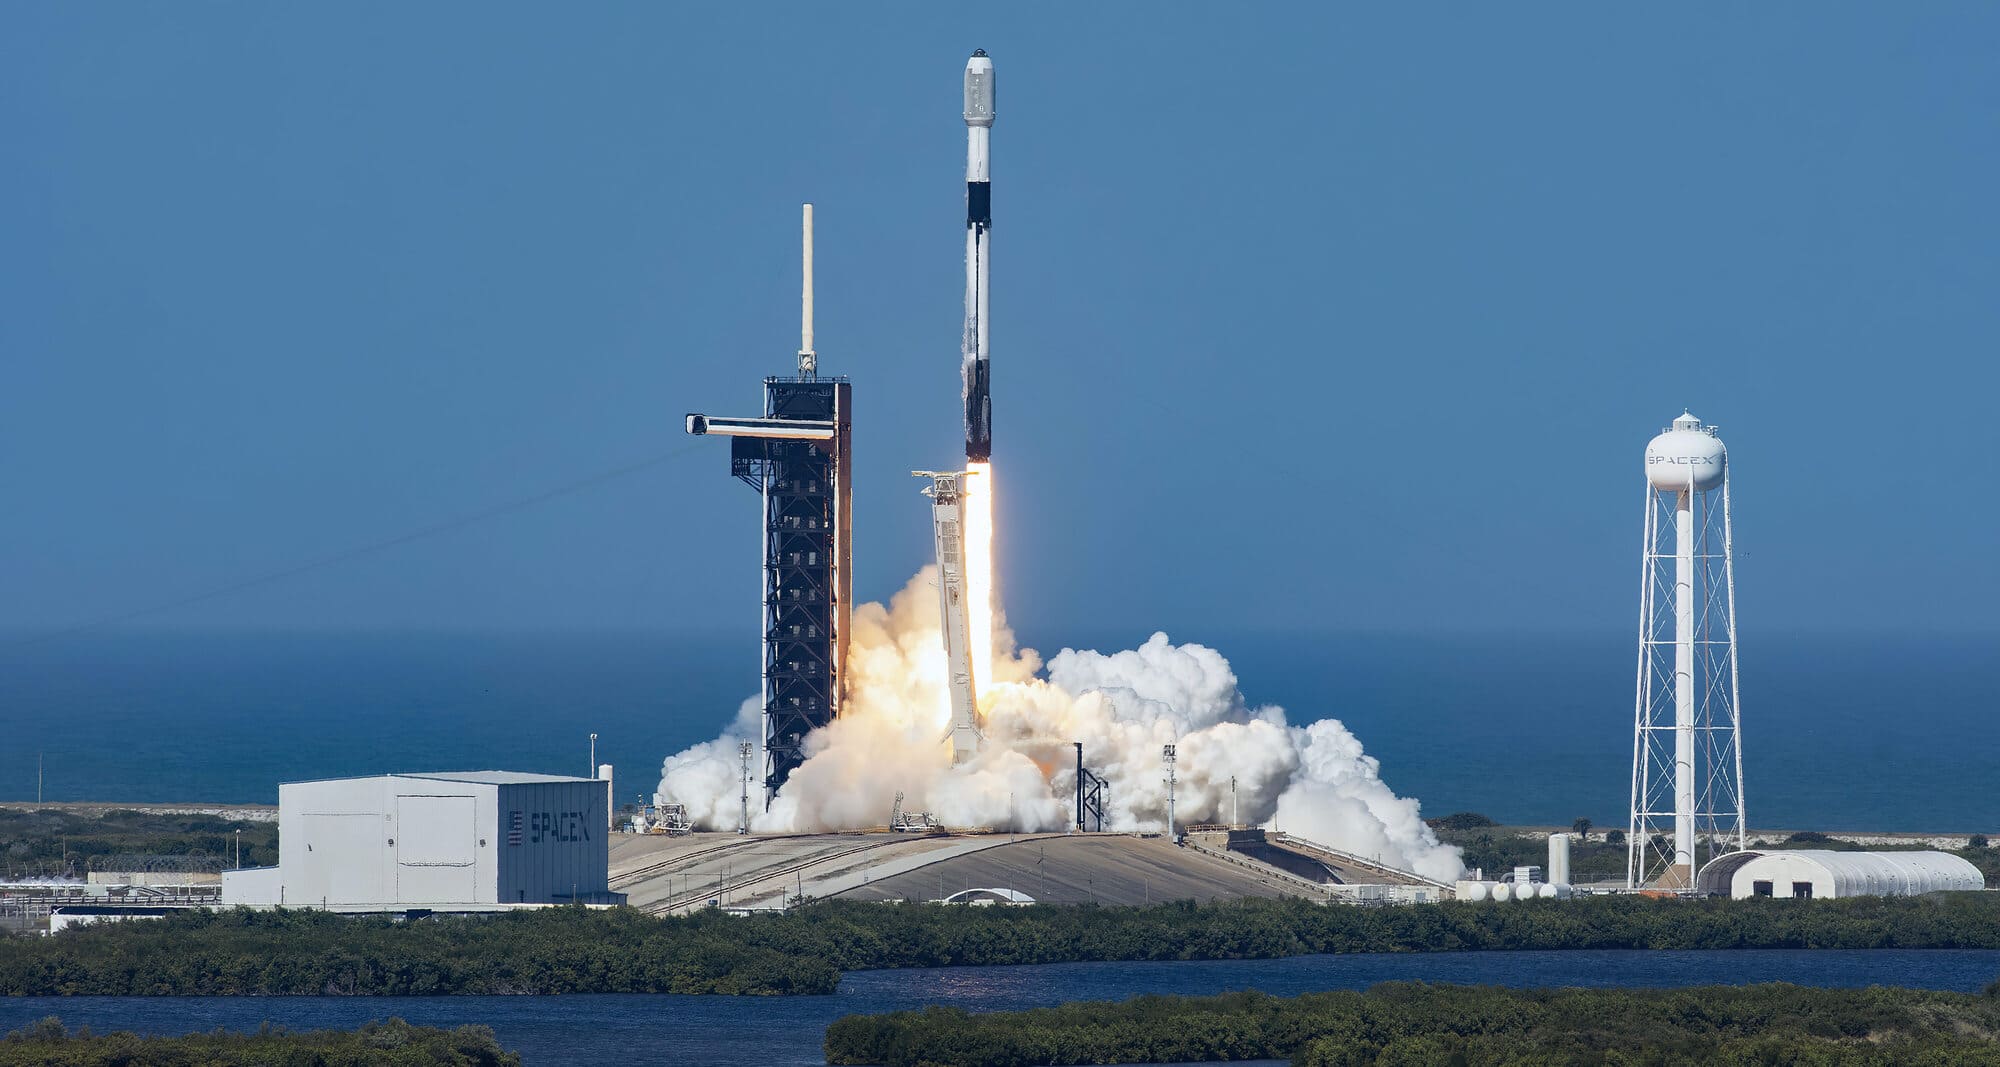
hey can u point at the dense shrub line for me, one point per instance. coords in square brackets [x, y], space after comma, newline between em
[1416, 1023]
[567, 950]
[394, 1043]
[573, 950]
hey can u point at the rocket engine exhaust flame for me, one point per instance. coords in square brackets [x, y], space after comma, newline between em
[979, 569]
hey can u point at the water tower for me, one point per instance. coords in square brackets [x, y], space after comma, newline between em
[1687, 753]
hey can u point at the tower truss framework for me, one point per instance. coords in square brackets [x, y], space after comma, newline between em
[1687, 745]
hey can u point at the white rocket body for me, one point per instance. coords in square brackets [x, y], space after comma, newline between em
[978, 239]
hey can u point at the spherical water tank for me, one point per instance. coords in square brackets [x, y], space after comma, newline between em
[1476, 891]
[1687, 451]
[1549, 891]
[1503, 891]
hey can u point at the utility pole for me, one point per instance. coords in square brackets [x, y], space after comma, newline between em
[743, 753]
[1167, 753]
[591, 772]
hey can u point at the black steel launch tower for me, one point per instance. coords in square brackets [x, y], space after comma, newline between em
[797, 456]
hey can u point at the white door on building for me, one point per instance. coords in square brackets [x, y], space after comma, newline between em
[436, 850]
[343, 860]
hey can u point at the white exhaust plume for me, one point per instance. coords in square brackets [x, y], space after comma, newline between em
[1314, 781]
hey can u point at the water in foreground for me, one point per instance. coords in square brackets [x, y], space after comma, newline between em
[776, 1031]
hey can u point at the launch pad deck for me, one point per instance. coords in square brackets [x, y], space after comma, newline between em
[672, 875]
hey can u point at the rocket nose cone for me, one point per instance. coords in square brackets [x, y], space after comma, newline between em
[979, 90]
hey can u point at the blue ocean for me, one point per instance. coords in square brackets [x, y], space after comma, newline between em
[1840, 733]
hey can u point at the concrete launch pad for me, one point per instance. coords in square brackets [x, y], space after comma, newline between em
[670, 875]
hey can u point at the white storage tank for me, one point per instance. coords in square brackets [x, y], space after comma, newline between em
[1687, 456]
[1503, 891]
[610, 803]
[1475, 891]
[1559, 857]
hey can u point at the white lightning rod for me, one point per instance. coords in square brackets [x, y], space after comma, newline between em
[808, 360]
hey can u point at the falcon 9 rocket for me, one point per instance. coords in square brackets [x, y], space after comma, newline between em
[978, 224]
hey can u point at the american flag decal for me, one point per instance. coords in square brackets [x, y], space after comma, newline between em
[514, 828]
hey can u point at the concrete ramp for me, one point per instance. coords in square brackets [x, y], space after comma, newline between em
[1082, 868]
[670, 875]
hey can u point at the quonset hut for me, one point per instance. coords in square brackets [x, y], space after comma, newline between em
[1808, 874]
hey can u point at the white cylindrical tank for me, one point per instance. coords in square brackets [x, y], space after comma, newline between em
[1548, 891]
[1476, 891]
[1558, 858]
[610, 804]
[1503, 891]
[1687, 452]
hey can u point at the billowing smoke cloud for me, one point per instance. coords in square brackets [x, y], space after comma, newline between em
[1314, 781]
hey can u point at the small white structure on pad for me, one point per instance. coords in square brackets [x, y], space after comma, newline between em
[1816, 874]
[464, 840]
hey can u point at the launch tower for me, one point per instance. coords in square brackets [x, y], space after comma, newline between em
[1687, 754]
[798, 458]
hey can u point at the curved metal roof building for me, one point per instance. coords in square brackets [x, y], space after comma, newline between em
[1818, 873]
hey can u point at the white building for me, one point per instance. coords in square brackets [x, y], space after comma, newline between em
[458, 841]
[1820, 874]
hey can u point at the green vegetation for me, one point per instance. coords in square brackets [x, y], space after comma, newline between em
[575, 950]
[393, 1042]
[1404, 1023]
[58, 841]
[566, 950]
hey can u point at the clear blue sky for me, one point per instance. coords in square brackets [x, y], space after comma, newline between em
[1307, 319]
